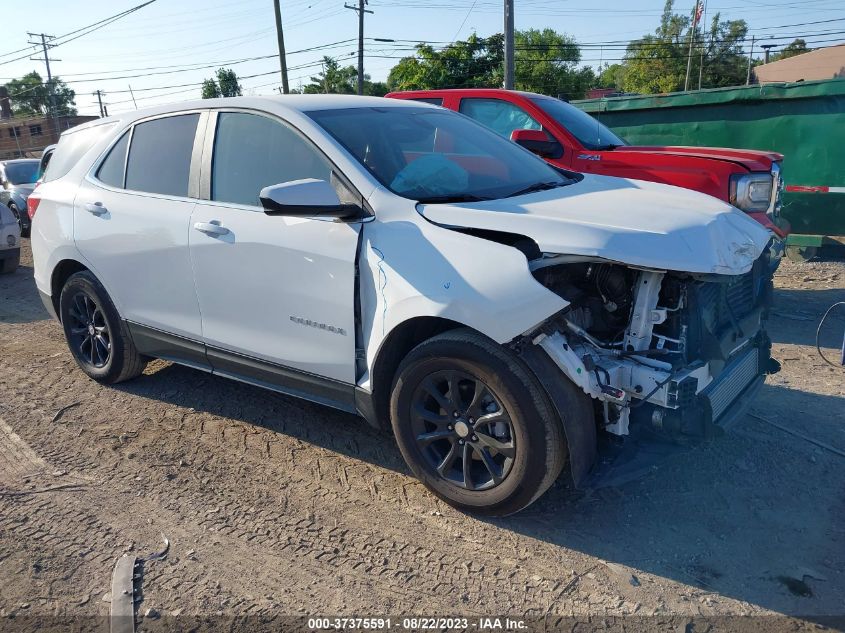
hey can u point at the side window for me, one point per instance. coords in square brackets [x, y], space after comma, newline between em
[160, 155]
[252, 152]
[500, 116]
[72, 146]
[112, 170]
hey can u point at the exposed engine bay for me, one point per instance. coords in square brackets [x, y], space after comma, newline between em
[670, 350]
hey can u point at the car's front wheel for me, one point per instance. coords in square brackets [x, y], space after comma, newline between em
[474, 425]
[96, 336]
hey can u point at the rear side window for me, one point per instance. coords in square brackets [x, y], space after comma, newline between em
[252, 152]
[160, 155]
[72, 145]
[112, 170]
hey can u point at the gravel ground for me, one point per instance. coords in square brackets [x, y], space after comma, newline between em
[276, 506]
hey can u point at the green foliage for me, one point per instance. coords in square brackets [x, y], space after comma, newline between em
[337, 79]
[30, 96]
[225, 84]
[658, 63]
[796, 47]
[545, 61]
[333, 79]
[611, 76]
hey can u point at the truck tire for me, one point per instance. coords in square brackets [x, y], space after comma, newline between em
[474, 425]
[95, 333]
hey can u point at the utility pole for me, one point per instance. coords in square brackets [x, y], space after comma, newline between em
[509, 66]
[281, 37]
[361, 11]
[750, 55]
[703, 35]
[45, 46]
[99, 96]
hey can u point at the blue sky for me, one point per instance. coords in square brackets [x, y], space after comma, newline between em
[158, 49]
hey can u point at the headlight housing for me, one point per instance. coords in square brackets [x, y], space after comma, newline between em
[751, 192]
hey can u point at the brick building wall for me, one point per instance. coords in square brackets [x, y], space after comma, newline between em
[26, 137]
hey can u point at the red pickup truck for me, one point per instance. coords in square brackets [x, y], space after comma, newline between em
[569, 138]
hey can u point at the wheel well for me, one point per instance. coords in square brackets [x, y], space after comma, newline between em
[61, 272]
[399, 342]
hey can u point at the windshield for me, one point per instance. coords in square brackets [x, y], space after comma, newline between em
[435, 155]
[22, 173]
[589, 131]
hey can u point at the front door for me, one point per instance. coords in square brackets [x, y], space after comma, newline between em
[274, 289]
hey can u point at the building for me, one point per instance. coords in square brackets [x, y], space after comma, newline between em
[26, 137]
[823, 63]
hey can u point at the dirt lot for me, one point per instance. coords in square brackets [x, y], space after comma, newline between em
[277, 506]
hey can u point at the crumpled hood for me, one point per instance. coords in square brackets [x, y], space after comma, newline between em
[628, 221]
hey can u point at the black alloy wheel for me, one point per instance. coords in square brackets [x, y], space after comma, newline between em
[462, 430]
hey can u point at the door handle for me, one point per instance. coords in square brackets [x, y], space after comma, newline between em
[96, 208]
[210, 228]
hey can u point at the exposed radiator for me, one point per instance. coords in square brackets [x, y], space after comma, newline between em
[732, 381]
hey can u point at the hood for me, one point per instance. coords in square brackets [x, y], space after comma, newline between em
[628, 221]
[750, 159]
[24, 189]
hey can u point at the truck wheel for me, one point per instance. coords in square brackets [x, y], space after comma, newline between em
[474, 425]
[95, 333]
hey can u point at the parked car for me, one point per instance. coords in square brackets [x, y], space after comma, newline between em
[17, 179]
[402, 262]
[46, 155]
[10, 241]
[570, 138]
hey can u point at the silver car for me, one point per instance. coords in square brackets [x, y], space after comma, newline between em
[17, 178]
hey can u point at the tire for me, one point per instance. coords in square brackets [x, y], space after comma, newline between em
[17, 213]
[490, 410]
[10, 263]
[85, 309]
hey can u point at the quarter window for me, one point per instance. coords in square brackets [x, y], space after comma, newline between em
[500, 116]
[160, 155]
[252, 152]
[112, 170]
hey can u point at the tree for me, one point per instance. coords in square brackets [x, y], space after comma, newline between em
[333, 79]
[30, 96]
[545, 61]
[225, 85]
[658, 63]
[611, 76]
[796, 47]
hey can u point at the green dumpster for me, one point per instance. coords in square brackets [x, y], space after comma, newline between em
[804, 121]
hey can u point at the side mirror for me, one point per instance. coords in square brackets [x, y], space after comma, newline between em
[537, 142]
[308, 198]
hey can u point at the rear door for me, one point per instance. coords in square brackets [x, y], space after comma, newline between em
[132, 216]
[277, 294]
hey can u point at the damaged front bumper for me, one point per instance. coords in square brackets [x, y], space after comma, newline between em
[648, 392]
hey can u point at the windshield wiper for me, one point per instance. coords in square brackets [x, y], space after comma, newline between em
[537, 186]
[452, 197]
[605, 147]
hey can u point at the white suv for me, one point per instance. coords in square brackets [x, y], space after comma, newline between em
[400, 261]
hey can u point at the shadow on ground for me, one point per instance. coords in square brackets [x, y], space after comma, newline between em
[19, 300]
[753, 515]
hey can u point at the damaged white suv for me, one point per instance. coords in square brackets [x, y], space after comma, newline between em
[402, 262]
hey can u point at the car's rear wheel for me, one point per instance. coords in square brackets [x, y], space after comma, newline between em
[96, 336]
[474, 425]
[24, 226]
